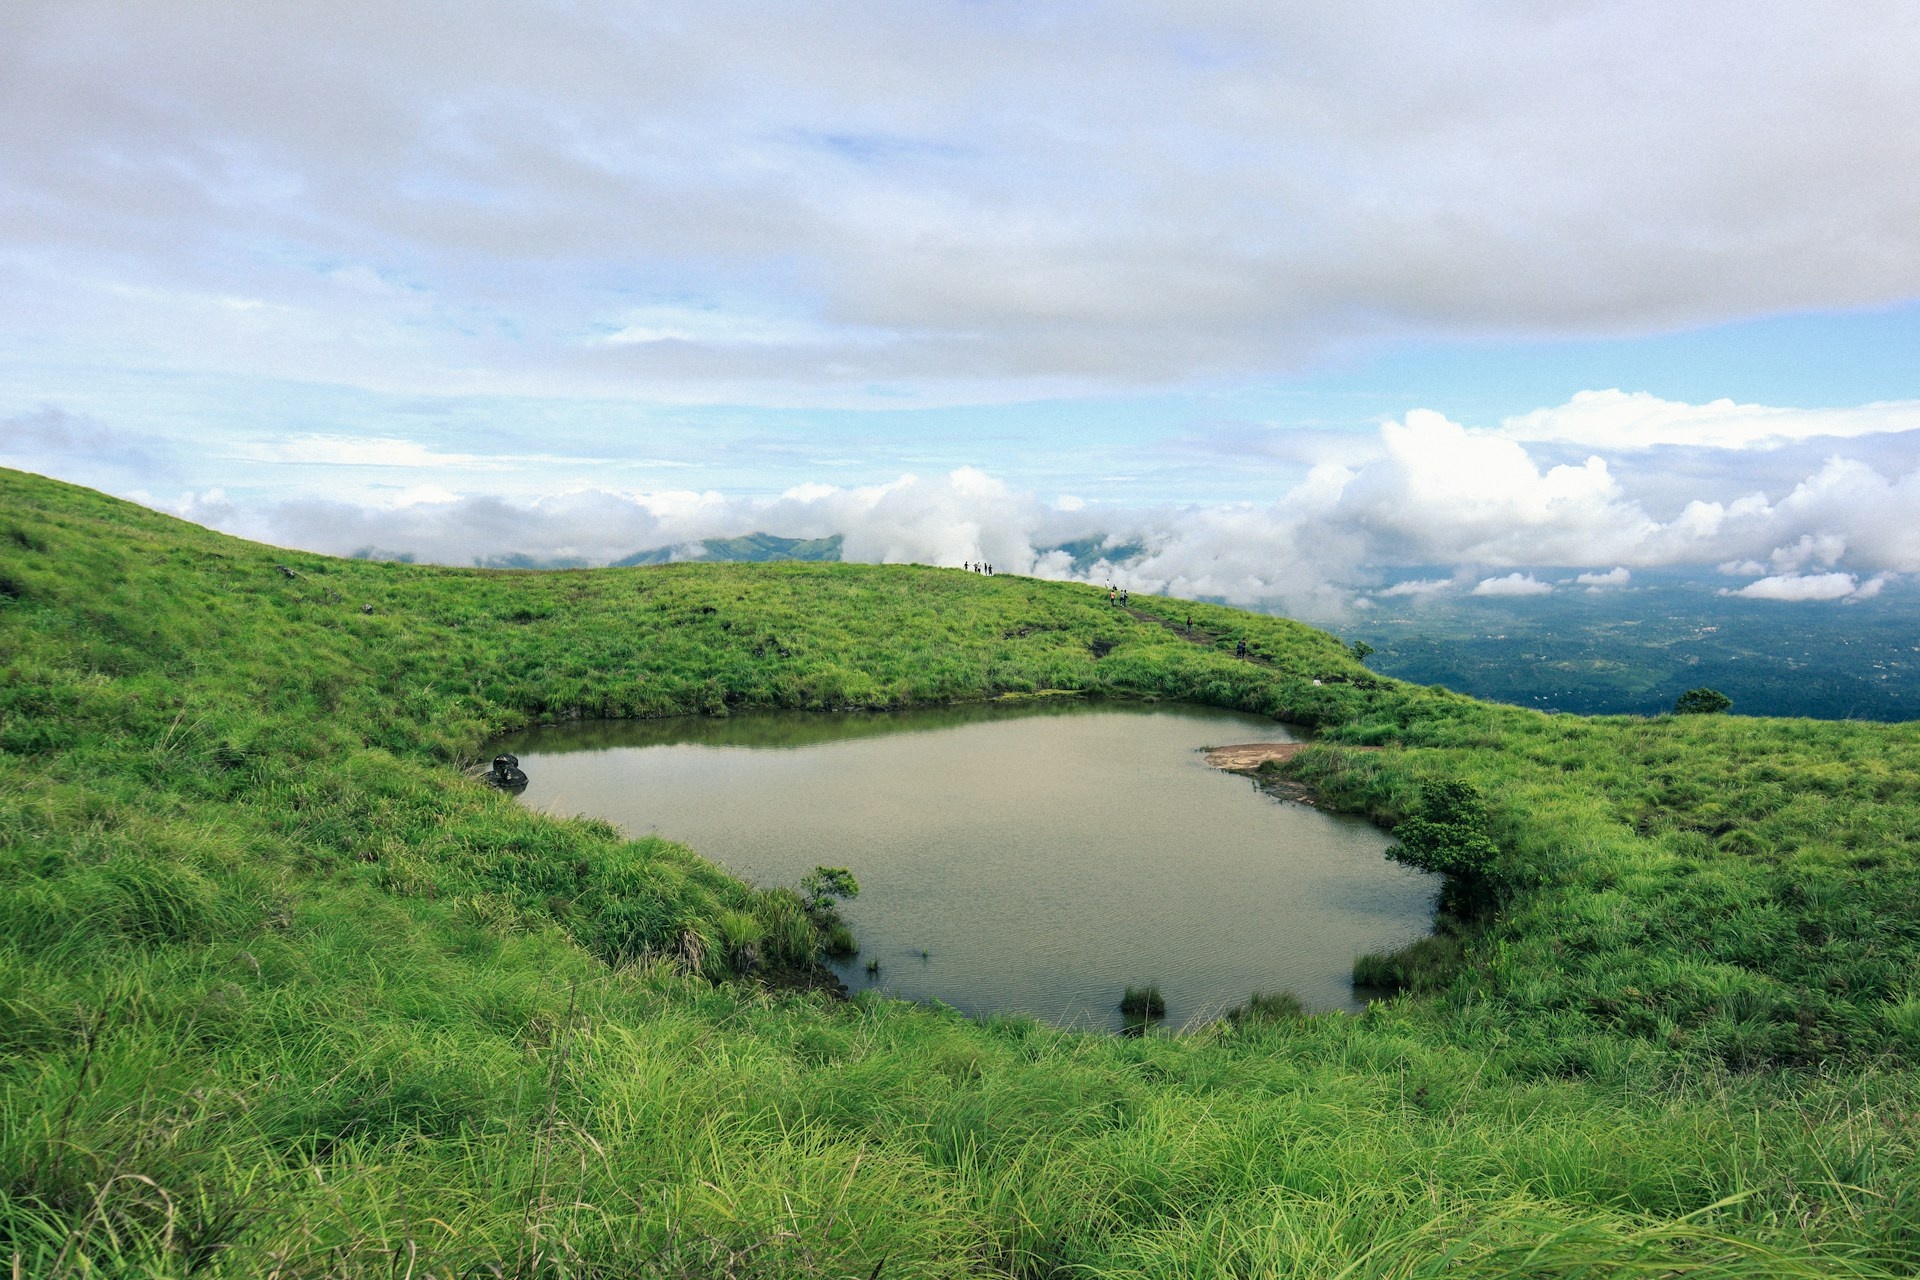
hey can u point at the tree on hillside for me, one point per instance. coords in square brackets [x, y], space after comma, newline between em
[1360, 650]
[1701, 702]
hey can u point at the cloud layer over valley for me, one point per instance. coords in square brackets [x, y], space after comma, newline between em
[1374, 523]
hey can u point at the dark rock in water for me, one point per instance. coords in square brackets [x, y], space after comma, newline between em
[506, 773]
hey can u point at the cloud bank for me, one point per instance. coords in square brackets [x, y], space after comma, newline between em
[1619, 421]
[1433, 492]
[1812, 586]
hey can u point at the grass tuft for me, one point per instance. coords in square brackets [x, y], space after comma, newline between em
[1143, 1002]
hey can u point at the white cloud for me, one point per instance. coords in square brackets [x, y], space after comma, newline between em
[1514, 584]
[395, 452]
[966, 515]
[727, 327]
[1617, 420]
[1443, 493]
[1418, 587]
[345, 451]
[1813, 586]
[1306, 554]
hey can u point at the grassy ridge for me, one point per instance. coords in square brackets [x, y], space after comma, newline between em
[281, 992]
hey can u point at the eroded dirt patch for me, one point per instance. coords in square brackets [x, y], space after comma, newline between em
[1248, 756]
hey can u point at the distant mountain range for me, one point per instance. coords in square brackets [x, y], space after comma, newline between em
[761, 548]
[1087, 552]
[751, 548]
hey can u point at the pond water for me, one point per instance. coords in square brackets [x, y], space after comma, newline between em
[1037, 859]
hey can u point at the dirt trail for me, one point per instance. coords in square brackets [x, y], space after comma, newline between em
[1195, 635]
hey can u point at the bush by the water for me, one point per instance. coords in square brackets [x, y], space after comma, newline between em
[1143, 1002]
[1448, 836]
[1425, 964]
[1268, 1006]
[821, 892]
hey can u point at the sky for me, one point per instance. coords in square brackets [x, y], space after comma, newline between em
[1300, 306]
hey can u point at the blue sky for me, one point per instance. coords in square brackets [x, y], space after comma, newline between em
[1295, 297]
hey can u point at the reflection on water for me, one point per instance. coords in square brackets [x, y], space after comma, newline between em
[1034, 859]
[807, 728]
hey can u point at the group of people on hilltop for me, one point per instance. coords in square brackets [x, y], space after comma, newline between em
[1116, 595]
[973, 566]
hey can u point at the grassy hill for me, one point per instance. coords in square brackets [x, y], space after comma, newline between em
[284, 992]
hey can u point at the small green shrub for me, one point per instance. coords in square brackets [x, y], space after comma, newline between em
[838, 942]
[1268, 1006]
[1143, 1002]
[823, 888]
[821, 891]
[1701, 702]
[1449, 837]
[1424, 965]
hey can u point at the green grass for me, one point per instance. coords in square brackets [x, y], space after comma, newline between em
[1268, 1006]
[283, 992]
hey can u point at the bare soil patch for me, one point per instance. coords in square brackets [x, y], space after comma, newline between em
[1248, 756]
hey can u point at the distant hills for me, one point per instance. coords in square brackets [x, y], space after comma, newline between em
[751, 548]
[761, 548]
[764, 548]
[1087, 552]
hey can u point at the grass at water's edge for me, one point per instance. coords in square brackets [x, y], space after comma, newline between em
[282, 993]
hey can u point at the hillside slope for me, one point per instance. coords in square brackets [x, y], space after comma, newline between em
[283, 992]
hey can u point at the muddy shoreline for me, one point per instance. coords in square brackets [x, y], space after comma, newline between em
[1246, 758]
